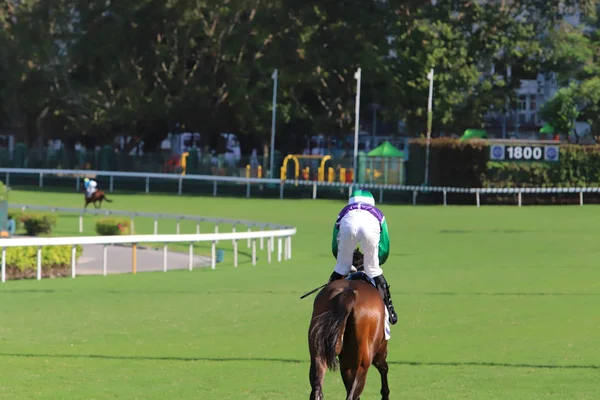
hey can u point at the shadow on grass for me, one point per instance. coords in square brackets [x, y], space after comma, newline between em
[295, 361]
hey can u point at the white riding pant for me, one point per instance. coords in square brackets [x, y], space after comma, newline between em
[359, 228]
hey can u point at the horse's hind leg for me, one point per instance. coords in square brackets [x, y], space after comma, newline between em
[357, 385]
[382, 366]
[316, 376]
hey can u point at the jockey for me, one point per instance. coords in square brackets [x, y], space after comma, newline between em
[90, 186]
[361, 223]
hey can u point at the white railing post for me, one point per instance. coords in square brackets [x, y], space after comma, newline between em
[156, 226]
[41, 180]
[191, 256]
[177, 229]
[165, 258]
[73, 261]
[581, 197]
[104, 259]
[111, 184]
[217, 231]
[39, 263]
[213, 255]
[147, 184]
[180, 186]
[262, 239]
[279, 249]
[269, 246]
[197, 228]
[249, 230]
[81, 223]
[215, 188]
[477, 198]
[4, 262]
[445, 197]
[314, 190]
[253, 251]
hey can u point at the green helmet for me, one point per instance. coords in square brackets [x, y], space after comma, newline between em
[86, 179]
[361, 196]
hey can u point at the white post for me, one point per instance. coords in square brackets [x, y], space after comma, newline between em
[581, 198]
[281, 191]
[215, 188]
[111, 184]
[213, 258]
[414, 197]
[357, 76]
[520, 199]
[274, 76]
[235, 253]
[165, 258]
[191, 254]
[104, 260]
[314, 190]
[177, 229]
[248, 189]
[249, 230]
[477, 198]
[279, 249]
[80, 223]
[179, 187]
[147, 184]
[41, 180]
[445, 197]
[429, 123]
[216, 231]
[156, 226]
[73, 260]
[39, 263]
[253, 251]
[269, 246]
[290, 254]
[285, 248]
[262, 240]
[4, 263]
[132, 226]
[197, 228]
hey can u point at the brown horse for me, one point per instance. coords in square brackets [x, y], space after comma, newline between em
[97, 196]
[348, 322]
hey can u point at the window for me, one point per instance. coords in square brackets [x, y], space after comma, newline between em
[522, 103]
[533, 103]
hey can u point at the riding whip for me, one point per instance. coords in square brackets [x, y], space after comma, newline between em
[312, 291]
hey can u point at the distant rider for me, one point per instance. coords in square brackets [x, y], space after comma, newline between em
[90, 187]
[361, 223]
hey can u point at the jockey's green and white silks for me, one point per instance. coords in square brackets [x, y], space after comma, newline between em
[363, 200]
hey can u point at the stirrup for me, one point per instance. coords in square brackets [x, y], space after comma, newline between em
[334, 277]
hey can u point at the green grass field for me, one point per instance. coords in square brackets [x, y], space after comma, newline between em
[493, 303]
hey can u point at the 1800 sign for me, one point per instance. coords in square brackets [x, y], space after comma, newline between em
[523, 153]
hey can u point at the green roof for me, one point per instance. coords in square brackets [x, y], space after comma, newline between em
[386, 149]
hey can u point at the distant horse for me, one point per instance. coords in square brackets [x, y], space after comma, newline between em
[348, 322]
[97, 196]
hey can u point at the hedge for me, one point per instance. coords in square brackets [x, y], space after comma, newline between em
[38, 223]
[466, 164]
[21, 262]
[113, 226]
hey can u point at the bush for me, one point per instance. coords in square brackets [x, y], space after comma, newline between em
[21, 262]
[17, 216]
[113, 226]
[38, 223]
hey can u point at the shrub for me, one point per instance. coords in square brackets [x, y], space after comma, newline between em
[17, 216]
[38, 223]
[21, 262]
[113, 226]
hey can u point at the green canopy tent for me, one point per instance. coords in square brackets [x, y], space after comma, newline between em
[547, 129]
[390, 160]
[473, 134]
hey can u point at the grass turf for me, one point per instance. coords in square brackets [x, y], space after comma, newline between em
[493, 303]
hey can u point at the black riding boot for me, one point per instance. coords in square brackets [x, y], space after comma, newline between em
[384, 289]
[334, 277]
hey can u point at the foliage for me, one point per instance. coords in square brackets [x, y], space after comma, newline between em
[25, 258]
[16, 215]
[100, 68]
[38, 223]
[113, 226]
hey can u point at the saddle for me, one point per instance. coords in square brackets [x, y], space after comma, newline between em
[361, 276]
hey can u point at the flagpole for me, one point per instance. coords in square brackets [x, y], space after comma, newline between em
[357, 76]
[429, 123]
[272, 153]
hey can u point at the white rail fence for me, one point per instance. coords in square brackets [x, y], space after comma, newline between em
[415, 190]
[248, 225]
[270, 232]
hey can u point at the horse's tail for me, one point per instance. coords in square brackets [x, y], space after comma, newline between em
[328, 329]
[106, 198]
